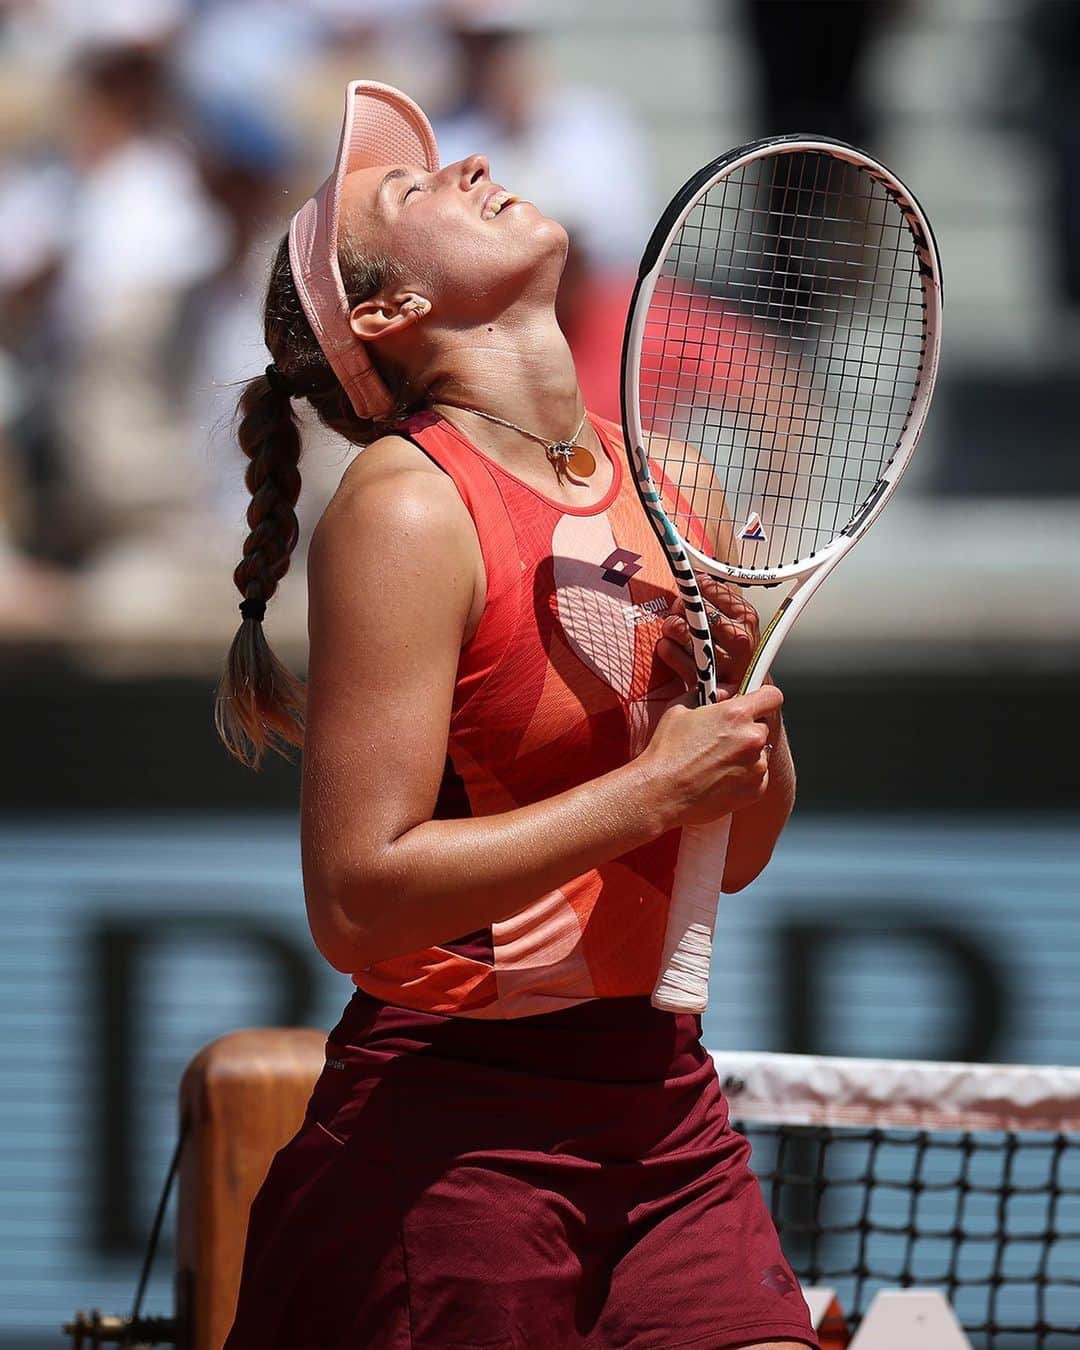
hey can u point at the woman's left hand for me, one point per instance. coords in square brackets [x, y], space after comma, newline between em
[733, 622]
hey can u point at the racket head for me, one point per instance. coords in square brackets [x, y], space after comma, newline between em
[780, 354]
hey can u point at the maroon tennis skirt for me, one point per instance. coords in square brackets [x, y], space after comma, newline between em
[555, 1181]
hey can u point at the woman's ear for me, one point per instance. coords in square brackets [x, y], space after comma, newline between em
[375, 318]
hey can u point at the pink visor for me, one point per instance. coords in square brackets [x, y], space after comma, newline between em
[382, 126]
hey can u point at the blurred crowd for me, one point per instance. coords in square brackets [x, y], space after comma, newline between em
[153, 152]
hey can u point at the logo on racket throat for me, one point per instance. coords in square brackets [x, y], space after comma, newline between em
[753, 529]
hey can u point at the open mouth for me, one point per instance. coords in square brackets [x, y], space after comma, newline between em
[496, 202]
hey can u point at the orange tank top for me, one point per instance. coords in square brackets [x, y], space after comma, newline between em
[558, 684]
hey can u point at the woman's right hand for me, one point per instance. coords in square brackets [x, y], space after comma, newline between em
[707, 762]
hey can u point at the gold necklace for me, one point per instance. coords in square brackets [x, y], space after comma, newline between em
[566, 456]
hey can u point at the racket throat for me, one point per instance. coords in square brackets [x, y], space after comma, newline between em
[782, 622]
[754, 676]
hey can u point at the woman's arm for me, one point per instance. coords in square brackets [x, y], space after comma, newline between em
[396, 581]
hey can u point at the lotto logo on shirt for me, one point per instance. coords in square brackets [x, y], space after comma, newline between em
[620, 566]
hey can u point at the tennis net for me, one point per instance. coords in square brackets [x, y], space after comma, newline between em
[902, 1173]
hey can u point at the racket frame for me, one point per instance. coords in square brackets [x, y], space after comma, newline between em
[683, 984]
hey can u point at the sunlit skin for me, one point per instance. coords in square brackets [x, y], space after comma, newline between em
[397, 584]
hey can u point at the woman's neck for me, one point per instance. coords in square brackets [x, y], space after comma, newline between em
[519, 370]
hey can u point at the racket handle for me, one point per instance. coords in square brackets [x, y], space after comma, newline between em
[687, 954]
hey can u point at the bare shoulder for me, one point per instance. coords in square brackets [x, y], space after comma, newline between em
[387, 455]
[389, 467]
[389, 488]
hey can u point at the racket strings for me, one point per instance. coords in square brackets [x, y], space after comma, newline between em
[781, 353]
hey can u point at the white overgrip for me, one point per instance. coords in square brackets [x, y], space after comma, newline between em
[695, 896]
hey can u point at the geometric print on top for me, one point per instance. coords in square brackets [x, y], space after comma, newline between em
[559, 684]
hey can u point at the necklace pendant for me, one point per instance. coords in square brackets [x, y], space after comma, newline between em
[568, 456]
[582, 462]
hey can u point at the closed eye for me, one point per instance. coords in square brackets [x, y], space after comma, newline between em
[416, 187]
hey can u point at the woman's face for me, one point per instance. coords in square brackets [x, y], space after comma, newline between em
[456, 245]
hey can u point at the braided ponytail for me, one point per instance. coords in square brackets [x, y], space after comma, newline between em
[259, 703]
[259, 699]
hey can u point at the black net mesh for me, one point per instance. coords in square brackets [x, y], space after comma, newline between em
[990, 1218]
[781, 354]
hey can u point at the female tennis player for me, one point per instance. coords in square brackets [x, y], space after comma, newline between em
[508, 1145]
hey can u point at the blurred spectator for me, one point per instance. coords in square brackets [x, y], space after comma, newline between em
[142, 233]
[47, 35]
[810, 53]
[1056, 31]
[245, 162]
[243, 54]
[35, 508]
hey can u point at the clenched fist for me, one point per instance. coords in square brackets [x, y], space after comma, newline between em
[711, 761]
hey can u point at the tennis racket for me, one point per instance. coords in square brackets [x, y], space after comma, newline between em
[778, 362]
